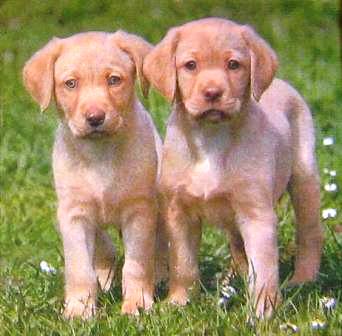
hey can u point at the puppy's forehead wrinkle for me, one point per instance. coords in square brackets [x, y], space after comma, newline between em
[204, 46]
[211, 22]
[86, 36]
[82, 61]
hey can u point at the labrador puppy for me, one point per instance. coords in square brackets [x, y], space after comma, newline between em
[236, 140]
[104, 163]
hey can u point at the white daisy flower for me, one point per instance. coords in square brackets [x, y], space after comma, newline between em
[226, 294]
[46, 268]
[328, 303]
[330, 187]
[8, 56]
[329, 213]
[325, 170]
[289, 327]
[228, 291]
[318, 325]
[332, 172]
[222, 302]
[328, 141]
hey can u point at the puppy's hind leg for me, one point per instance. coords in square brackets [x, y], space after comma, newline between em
[305, 194]
[305, 197]
[104, 260]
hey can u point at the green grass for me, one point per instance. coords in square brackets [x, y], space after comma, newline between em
[305, 36]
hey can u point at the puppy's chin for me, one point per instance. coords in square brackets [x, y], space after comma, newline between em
[96, 135]
[214, 116]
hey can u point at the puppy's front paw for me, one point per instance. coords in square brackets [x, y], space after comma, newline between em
[179, 297]
[300, 278]
[132, 304]
[105, 277]
[266, 304]
[83, 308]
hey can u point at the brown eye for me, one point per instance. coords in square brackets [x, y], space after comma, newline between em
[191, 65]
[71, 83]
[233, 65]
[113, 80]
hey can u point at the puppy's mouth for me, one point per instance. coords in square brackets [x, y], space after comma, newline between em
[213, 116]
[89, 133]
[99, 132]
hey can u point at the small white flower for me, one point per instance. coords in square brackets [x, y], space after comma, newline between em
[226, 294]
[46, 268]
[329, 213]
[317, 325]
[228, 291]
[328, 303]
[330, 187]
[222, 302]
[332, 172]
[289, 327]
[8, 56]
[328, 141]
[329, 172]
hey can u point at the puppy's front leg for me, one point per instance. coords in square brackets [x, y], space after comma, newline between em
[78, 234]
[260, 239]
[138, 232]
[185, 237]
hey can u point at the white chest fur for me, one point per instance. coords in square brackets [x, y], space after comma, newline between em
[207, 171]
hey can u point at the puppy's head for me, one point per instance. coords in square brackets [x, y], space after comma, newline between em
[213, 66]
[91, 75]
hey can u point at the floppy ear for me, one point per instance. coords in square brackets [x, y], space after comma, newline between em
[264, 62]
[160, 65]
[137, 48]
[38, 73]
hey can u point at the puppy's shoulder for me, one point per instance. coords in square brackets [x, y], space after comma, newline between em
[279, 92]
[281, 98]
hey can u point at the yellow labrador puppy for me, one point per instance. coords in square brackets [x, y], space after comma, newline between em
[104, 163]
[236, 140]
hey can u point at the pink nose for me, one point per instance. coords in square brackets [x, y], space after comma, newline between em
[212, 93]
[95, 117]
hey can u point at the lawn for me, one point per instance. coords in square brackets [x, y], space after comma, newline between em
[306, 38]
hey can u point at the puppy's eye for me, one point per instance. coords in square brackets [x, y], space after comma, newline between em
[191, 65]
[113, 80]
[71, 83]
[233, 65]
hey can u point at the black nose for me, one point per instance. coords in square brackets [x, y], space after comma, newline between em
[212, 94]
[95, 120]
